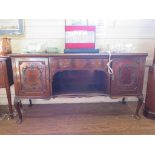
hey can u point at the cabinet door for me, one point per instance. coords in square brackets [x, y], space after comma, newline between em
[2, 82]
[126, 78]
[32, 77]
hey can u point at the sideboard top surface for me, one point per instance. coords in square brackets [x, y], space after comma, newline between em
[42, 54]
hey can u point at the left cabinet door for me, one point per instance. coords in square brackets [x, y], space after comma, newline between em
[31, 77]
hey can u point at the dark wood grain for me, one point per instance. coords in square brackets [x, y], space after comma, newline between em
[49, 75]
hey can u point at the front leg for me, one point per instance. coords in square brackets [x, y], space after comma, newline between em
[9, 100]
[30, 103]
[140, 102]
[18, 106]
[123, 100]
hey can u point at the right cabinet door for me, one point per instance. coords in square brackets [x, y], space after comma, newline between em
[127, 78]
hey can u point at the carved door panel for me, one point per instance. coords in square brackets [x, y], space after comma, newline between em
[126, 77]
[33, 77]
[2, 82]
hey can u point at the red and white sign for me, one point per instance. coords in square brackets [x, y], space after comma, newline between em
[79, 37]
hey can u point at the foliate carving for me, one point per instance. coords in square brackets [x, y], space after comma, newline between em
[127, 75]
[32, 77]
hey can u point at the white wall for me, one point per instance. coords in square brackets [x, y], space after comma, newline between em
[120, 35]
[114, 34]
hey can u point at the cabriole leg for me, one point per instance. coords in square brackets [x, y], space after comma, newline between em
[9, 101]
[140, 102]
[30, 101]
[123, 100]
[18, 106]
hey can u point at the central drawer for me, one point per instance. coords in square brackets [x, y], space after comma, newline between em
[79, 64]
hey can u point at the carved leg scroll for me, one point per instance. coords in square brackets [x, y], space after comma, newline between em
[140, 102]
[30, 101]
[18, 106]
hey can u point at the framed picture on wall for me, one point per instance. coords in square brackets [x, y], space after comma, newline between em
[11, 27]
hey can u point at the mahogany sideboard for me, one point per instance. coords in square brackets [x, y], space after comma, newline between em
[6, 79]
[51, 75]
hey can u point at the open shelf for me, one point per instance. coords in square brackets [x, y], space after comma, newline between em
[79, 83]
[79, 94]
